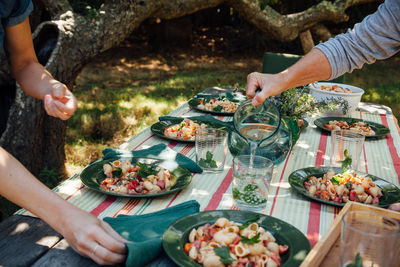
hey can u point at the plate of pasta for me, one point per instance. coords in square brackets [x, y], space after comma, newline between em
[367, 128]
[182, 129]
[135, 177]
[331, 186]
[234, 238]
[222, 104]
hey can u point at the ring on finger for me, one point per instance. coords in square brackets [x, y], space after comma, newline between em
[94, 249]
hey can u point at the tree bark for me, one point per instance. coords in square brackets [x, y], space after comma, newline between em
[306, 40]
[38, 140]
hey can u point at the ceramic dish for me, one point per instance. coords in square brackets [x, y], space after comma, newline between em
[233, 97]
[177, 234]
[93, 175]
[391, 193]
[379, 129]
[158, 128]
[352, 98]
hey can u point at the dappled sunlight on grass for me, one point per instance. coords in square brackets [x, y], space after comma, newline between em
[381, 82]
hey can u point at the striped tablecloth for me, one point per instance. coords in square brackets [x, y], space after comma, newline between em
[213, 191]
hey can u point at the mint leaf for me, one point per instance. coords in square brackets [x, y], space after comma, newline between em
[250, 188]
[117, 173]
[213, 164]
[255, 239]
[357, 261]
[248, 222]
[218, 108]
[208, 162]
[146, 170]
[335, 180]
[209, 156]
[224, 254]
[203, 163]
[346, 163]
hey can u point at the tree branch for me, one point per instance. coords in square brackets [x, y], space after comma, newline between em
[56, 7]
[287, 27]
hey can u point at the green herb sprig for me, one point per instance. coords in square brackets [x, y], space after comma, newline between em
[297, 102]
[224, 254]
[357, 262]
[117, 173]
[146, 170]
[346, 163]
[208, 162]
[254, 240]
[248, 222]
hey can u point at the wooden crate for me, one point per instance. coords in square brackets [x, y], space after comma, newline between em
[326, 252]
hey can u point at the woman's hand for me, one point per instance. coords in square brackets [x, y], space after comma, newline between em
[61, 103]
[93, 238]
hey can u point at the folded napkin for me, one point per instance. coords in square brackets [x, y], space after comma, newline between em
[203, 118]
[145, 231]
[158, 152]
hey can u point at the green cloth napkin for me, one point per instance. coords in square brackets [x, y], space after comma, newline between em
[145, 231]
[203, 118]
[159, 152]
[228, 95]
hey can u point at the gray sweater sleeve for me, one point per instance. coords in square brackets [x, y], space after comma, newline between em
[376, 37]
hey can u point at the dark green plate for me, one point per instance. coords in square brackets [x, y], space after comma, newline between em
[379, 129]
[158, 128]
[195, 101]
[177, 234]
[93, 175]
[391, 193]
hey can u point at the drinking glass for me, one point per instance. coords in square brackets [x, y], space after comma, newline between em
[371, 237]
[342, 140]
[211, 149]
[251, 179]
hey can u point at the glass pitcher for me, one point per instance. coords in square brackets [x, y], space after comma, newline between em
[262, 127]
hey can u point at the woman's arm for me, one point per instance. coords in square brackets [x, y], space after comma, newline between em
[33, 78]
[84, 232]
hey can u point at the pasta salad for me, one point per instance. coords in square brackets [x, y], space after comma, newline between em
[355, 126]
[219, 104]
[228, 243]
[344, 187]
[125, 178]
[336, 88]
[185, 130]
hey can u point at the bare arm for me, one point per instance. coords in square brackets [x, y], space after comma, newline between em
[33, 78]
[312, 67]
[82, 230]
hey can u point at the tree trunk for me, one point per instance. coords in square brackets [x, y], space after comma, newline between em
[67, 42]
[306, 40]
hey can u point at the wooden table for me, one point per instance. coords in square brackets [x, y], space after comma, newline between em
[26, 240]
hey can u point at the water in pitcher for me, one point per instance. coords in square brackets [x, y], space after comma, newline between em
[255, 133]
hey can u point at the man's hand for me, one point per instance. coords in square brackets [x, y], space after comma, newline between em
[270, 85]
[61, 103]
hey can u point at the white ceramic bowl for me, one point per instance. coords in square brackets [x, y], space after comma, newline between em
[352, 98]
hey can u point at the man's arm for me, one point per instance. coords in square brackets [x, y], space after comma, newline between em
[33, 78]
[312, 67]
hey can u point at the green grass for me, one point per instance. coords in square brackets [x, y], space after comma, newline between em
[381, 82]
[114, 106]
